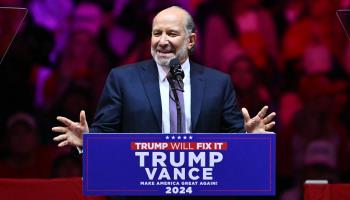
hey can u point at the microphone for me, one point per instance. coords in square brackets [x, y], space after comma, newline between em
[176, 71]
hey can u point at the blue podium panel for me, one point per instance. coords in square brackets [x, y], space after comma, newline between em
[179, 164]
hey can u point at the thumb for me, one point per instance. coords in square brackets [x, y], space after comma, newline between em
[245, 115]
[83, 121]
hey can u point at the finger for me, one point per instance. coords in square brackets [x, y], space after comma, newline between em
[59, 129]
[60, 138]
[269, 118]
[270, 125]
[83, 121]
[262, 112]
[62, 144]
[65, 121]
[245, 114]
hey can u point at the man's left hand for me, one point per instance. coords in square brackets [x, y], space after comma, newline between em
[259, 123]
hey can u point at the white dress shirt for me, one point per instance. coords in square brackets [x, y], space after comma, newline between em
[164, 95]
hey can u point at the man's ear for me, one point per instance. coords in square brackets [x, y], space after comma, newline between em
[192, 41]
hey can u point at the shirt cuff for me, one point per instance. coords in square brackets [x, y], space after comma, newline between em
[80, 150]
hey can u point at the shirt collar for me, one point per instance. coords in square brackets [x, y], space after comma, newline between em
[163, 71]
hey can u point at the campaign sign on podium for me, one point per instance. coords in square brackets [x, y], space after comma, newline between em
[179, 164]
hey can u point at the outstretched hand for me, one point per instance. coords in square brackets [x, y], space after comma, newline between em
[72, 133]
[259, 123]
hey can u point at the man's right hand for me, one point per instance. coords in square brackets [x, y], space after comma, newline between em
[72, 133]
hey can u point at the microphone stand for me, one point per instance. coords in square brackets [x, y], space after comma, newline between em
[177, 102]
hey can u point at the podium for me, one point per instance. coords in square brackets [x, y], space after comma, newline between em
[235, 164]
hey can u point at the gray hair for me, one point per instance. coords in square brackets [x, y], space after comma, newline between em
[190, 26]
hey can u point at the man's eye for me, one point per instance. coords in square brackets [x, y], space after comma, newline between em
[173, 34]
[156, 33]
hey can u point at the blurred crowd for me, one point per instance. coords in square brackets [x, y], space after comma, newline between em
[292, 55]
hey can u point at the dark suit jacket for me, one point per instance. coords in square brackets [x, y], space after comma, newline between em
[131, 101]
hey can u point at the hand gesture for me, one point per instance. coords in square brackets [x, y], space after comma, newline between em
[259, 123]
[72, 133]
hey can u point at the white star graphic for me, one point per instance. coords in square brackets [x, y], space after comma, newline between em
[179, 137]
[185, 137]
[167, 137]
[190, 137]
[173, 137]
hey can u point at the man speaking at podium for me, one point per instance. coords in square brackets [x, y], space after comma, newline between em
[148, 97]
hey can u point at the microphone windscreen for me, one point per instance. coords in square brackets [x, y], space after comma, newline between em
[174, 62]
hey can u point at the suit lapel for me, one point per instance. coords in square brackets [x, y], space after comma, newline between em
[197, 92]
[150, 82]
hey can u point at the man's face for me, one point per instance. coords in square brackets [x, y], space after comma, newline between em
[169, 39]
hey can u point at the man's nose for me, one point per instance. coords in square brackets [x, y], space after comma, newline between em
[163, 40]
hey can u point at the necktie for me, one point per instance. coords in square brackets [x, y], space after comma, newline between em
[173, 107]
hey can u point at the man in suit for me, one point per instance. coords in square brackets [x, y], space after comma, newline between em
[136, 96]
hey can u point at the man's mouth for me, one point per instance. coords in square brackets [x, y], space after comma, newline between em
[164, 52]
